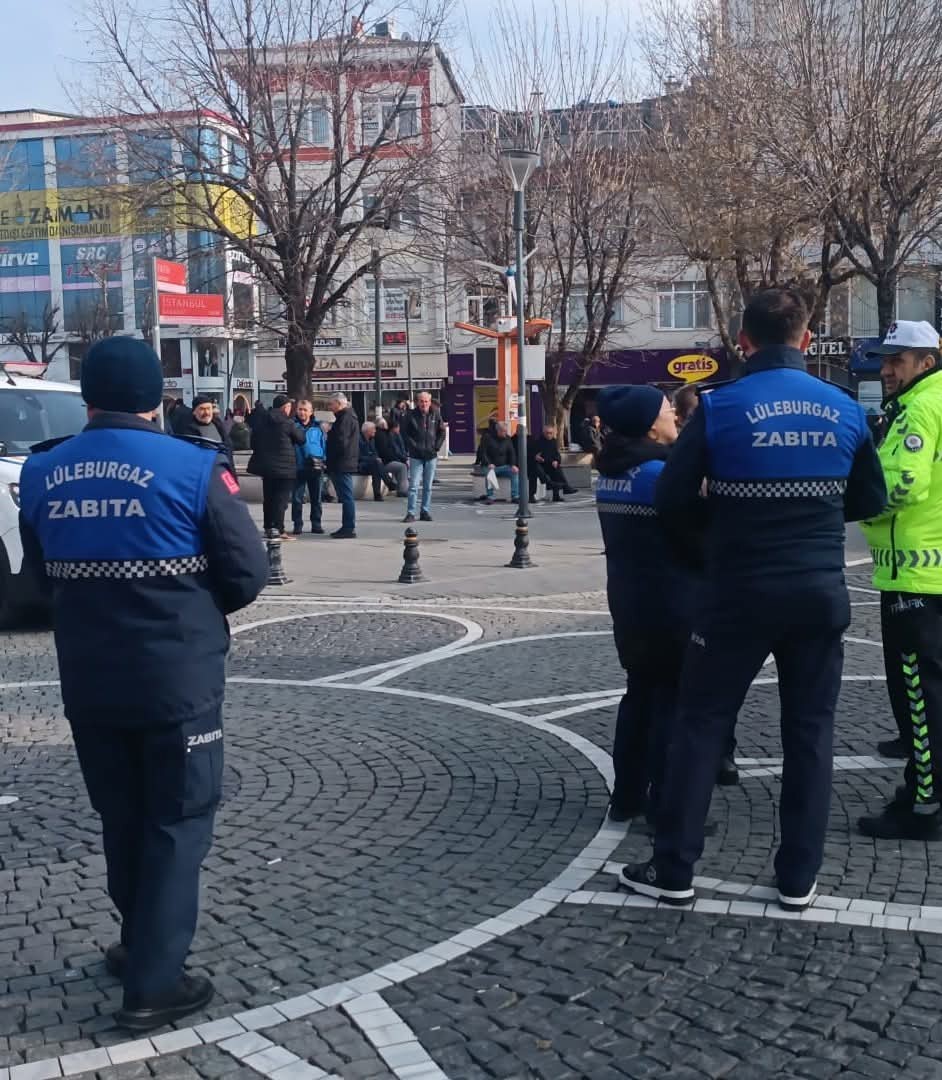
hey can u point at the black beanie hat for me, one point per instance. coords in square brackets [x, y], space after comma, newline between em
[201, 399]
[630, 410]
[122, 374]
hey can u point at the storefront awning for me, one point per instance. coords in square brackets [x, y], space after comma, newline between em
[348, 386]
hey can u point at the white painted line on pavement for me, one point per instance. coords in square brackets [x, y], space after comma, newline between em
[8, 800]
[393, 1039]
[865, 561]
[395, 603]
[557, 697]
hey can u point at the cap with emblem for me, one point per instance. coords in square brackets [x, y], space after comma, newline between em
[903, 335]
[122, 374]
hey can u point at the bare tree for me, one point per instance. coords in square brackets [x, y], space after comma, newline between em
[584, 217]
[860, 126]
[720, 196]
[34, 342]
[332, 132]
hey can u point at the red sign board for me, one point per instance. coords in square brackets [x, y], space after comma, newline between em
[394, 337]
[194, 309]
[170, 276]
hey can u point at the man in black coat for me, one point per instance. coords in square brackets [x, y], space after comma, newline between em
[497, 452]
[543, 463]
[274, 460]
[201, 422]
[343, 458]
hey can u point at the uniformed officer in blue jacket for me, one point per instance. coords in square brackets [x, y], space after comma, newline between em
[787, 459]
[146, 546]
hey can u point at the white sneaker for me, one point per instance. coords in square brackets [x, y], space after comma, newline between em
[797, 903]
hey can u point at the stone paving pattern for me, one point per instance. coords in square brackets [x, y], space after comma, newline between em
[358, 827]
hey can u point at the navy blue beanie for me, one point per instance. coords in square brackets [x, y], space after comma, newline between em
[630, 410]
[122, 374]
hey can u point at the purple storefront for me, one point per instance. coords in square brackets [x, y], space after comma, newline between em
[468, 400]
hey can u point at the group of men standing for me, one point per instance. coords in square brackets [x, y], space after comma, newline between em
[726, 546]
[294, 455]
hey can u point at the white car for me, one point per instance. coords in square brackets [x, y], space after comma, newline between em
[31, 411]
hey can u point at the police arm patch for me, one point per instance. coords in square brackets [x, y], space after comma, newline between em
[232, 485]
[913, 442]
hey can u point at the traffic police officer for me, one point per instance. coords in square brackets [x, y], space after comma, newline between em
[146, 545]
[787, 458]
[906, 541]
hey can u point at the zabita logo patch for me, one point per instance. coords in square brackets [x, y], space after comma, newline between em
[913, 442]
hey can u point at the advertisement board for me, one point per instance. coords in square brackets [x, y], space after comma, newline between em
[191, 309]
[86, 264]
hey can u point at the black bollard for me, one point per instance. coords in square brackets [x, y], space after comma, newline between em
[276, 572]
[411, 571]
[521, 559]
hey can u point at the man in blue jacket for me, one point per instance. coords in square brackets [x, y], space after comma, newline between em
[311, 458]
[786, 459]
[146, 546]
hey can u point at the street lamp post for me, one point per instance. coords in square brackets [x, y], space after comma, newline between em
[519, 165]
[377, 333]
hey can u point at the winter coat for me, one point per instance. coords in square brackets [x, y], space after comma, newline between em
[423, 434]
[273, 443]
[390, 447]
[497, 450]
[343, 443]
[313, 447]
[548, 449]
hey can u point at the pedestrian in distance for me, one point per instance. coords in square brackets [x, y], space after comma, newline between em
[652, 586]
[498, 454]
[590, 435]
[423, 432]
[787, 459]
[311, 460]
[544, 464]
[343, 443]
[200, 422]
[906, 542]
[145, 546]
[274, 459]
[392, 453]
[369, 463]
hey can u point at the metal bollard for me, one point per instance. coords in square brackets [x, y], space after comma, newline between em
[521, 559]
[276, 572]
[411, 571]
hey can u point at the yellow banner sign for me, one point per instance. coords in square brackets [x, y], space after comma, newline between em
[119, 210]
[693, 367]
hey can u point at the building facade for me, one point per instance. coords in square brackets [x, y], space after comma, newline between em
[78, 234]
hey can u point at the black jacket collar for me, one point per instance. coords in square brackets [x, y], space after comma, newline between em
[126, 421]
[775, 356]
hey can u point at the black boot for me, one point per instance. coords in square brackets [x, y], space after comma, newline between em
[900, 822]
[557, 495]
[191, 994]
[893, 748]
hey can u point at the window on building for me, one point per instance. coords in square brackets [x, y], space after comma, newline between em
[85, 161]
[579, 310]
[410, 212]
[394, 295]
[206, 262]
[915, 300]
[683, 305]
[394, 117]
[319, 128]
[202, 152]
[485, 306]
[150, 157]
[210, 358]
[21, 166]
[170, 358]
[242, 361]
[485, 362]
[238, 160]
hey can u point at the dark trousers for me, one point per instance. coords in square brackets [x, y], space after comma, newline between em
[311, 483]
[343, 485]
[551, 475]
[156, 790]
[276, 494]
[375, 470]
[725, 654]
[646, 719]
[912, 653]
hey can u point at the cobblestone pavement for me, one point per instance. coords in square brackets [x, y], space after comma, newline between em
[412, 875]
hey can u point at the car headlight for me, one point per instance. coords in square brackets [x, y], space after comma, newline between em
[13, 490]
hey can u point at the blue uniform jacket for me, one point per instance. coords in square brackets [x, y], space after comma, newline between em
[652, 583]
[146, 546]
[786, 458]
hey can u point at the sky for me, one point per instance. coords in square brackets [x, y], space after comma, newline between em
[44, 40]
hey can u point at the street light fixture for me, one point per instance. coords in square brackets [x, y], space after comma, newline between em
[519, 165]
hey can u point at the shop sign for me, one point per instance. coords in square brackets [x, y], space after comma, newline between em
[829, 347]
[192, 309]
[171, 276]
[171, 384]
[244, 384]
[692, 367]
[326, 343]
[394, 337]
